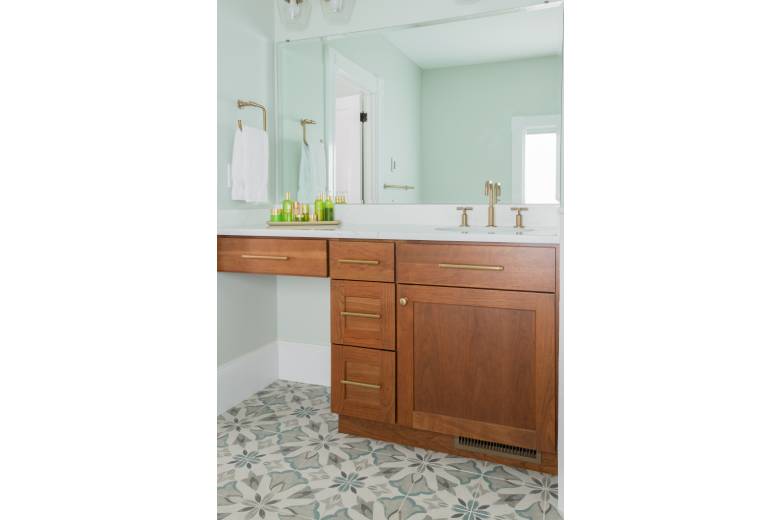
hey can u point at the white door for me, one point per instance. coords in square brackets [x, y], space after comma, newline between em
[348, 149]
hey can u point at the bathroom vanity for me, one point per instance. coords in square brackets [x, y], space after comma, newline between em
[440, 337]
[447, 344]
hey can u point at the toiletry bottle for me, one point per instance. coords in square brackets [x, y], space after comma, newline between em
[287, 208]
[328, 213]
[276, 215]
[305, 212]
[318, 208]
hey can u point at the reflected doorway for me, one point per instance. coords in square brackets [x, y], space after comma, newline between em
[354, 106]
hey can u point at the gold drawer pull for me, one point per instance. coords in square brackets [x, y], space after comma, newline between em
[365, 385]
[361, 315]
[473, 267]
[361, 262]
[265, 257]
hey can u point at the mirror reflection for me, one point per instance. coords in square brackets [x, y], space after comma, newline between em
[426, 114]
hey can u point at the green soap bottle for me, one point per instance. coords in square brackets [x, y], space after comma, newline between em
[287, 208]
[318, 208]
[328, 213]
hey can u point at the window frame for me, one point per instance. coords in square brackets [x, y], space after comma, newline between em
[522, 126]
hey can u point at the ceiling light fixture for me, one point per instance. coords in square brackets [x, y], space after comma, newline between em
[294, 13]
[338, 11]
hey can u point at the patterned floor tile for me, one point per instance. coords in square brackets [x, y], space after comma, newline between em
[280, 456]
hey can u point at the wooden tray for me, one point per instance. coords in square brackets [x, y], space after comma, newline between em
[305, 224]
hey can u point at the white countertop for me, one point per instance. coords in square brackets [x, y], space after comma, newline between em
[535, 235]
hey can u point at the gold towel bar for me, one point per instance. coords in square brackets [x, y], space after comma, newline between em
[398, 187]
[366, 385]
[361, 262]
[361, 315]
[265, 257]
[473, 267]
[305, 122]
[242, 104]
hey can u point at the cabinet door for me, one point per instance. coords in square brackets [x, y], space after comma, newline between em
[478, 363]
[363, 383]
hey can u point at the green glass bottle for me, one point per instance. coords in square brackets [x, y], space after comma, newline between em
[318, 208]
[287, 208]
[328, 212]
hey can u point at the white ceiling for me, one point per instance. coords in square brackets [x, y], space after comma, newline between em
[523, 34]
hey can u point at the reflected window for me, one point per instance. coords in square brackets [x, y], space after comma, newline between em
[536, 151]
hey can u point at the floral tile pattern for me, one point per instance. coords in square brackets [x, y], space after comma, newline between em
[280, 456]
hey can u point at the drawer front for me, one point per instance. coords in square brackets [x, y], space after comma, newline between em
[356, 260]
[484, 266]
[363, 314]
[363, 383]
[272, 256]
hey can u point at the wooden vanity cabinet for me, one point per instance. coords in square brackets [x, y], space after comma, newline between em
[446, 346]
[478, 363]
[475, 353]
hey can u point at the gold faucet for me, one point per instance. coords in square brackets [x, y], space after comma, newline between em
[493, 192]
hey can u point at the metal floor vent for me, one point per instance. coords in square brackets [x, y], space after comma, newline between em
[496, 448]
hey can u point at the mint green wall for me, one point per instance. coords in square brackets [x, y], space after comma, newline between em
[300, 96]
[466, 123]
[400, 112]
[246, 314]
[246, 307]
[303, 305]
[245, 42]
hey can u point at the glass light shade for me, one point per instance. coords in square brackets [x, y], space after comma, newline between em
[294, 13]
[337, 11]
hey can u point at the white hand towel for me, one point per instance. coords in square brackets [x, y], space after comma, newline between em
[249, 168]
[311, 173]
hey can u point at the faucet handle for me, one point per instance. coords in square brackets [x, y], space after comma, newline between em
[519, 216]
[464, 216]
[497, 190]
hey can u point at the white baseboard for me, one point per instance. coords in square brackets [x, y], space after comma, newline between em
[241, 377]
[304, 362]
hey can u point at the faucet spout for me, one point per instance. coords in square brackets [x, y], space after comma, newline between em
[493, 192]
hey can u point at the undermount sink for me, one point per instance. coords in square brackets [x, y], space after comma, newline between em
[484, 230]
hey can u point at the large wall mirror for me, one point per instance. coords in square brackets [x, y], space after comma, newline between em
[426, 114]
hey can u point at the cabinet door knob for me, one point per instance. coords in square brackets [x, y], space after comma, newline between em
[403, 302]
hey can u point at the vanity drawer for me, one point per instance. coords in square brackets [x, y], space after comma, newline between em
[358, 260]
[363, 314]
[518, 268]
[363, 383]
[272, 256]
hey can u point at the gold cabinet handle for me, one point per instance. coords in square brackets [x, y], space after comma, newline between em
[361, 262]
[361, 315]
[365, 385]
[265, 257]
[403, 302]
[473, 267]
